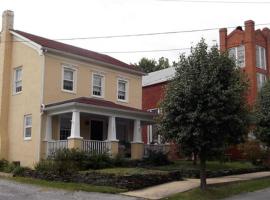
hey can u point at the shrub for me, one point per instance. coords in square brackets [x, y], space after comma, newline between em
[18, 171]
[253, 151]
[157, 158]
[3, 164]
[97, 161]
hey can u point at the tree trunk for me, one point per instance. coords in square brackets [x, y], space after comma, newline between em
[203, 173]
[194, 158]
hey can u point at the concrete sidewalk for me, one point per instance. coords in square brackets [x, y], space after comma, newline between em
[168, 189]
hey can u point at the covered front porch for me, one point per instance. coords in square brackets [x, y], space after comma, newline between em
[106, 128]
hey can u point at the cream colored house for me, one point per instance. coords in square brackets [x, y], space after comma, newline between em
[54, 95]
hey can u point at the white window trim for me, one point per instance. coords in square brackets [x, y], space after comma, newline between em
[127, 90]
[72, 68]
[102, 85]
[262, 78]
[260, 60]
[14, 81]
[236, 55]
[24, 127]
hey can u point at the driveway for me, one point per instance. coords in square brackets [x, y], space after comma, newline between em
[258, 195]
[10, 190]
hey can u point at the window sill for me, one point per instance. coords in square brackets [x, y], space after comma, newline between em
[99, 97]
[16, 93]
[68, 91]
[122, 101]
[27, 139]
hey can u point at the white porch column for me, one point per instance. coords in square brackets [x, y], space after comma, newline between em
[75, 125]
[112, 129]
[48, 130]
[137, 133]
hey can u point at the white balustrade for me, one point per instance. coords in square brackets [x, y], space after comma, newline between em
[96, 146]
[55, 145]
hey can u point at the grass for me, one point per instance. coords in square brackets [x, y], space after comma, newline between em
[223, 191]
[68, 186]
[211, 165]
[121, 171]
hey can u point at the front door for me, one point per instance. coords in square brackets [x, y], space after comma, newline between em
[96, 130]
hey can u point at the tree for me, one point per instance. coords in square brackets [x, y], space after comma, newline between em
[151, 65]
[262, 113]
[204, 108]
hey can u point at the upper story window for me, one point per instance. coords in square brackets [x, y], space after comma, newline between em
[122, 90]
[27, 127]
[260, 57]
[17, 85]
[238, 53]
[261, 80]
[69, 79]
[98, 85]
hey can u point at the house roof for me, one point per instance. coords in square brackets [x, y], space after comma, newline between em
[52, 44]
[97, 102]
[159, 76]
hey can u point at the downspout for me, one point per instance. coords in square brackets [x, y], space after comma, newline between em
[42, 54]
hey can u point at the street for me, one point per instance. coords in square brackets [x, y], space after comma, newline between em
[10, 190]
[258, 195]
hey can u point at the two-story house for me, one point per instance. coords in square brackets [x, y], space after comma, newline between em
[54, 95]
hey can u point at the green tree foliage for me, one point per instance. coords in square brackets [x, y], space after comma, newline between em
[262, 114]
[205, 107]
[151, 65]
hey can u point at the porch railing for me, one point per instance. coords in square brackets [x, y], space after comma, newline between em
[53, 146]
[164, 148]
[96, 146]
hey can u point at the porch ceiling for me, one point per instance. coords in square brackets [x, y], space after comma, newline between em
[99, 107]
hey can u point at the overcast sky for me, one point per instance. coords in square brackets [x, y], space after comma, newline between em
[86, 18]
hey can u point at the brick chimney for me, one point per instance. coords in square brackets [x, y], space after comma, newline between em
[7, 20]
[223, 39]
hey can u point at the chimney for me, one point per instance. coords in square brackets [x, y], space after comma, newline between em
[223, 39]
[7, 20]
[250, 30]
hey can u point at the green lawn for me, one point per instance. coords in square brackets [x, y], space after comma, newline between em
[119, 171]
[211, 165]
[68, 186]
[223, 191]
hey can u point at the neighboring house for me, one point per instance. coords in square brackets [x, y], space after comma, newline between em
[154, 85]
[54, 95]
[251, 49]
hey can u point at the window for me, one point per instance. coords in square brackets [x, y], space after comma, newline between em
[238, 53]
[261, 79]
[69, 77]
[98, 85]
[260, 57]
[27, 127]
[65, 128]
[17, 88]
[122, 90]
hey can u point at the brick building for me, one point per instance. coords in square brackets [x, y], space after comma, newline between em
[153, 91]
[250, 48]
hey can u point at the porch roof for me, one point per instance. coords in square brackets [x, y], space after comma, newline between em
[93, 105]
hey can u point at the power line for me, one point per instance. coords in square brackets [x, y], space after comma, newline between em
[224, 2]
[150, 34]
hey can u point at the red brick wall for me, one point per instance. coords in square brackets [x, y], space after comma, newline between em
[151, 96]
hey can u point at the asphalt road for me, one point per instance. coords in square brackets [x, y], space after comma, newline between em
[10, 190]
[258, 195]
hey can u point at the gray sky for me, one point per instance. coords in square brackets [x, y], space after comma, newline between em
[86, 18]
